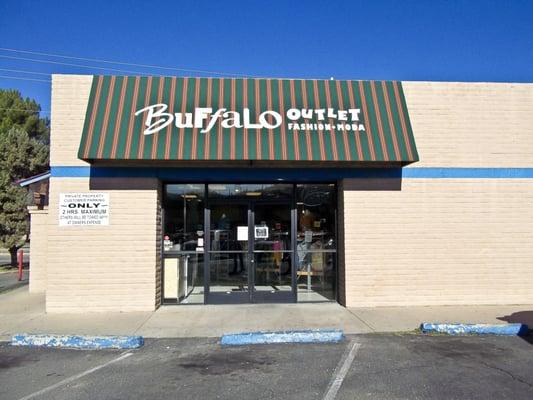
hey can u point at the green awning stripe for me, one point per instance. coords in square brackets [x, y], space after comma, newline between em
[348, 140]
[327, 152]
[100, 115]
[261, 134]
[237, 137]
[125, 95]
[391, 95]
[406, 122]
[364, 144]
[187, 139]
[115, 118]
[341, 146]
[131, 121]
[87, 124]
[112, 131]
[372, 121]
[356, 90]
[295, 133]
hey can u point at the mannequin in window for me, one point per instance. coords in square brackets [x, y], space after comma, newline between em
[224, 222]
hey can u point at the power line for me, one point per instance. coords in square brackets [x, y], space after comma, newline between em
[25, 79]
[125, 63]
[24, 72]
[73, 65]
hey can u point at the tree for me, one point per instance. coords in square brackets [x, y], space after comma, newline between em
[24, 113]
[24, 149]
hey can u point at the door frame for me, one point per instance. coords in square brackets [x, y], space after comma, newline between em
[252, 296]
[282, 296]
[339, 265]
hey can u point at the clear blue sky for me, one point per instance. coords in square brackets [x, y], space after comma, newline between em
[401, 40]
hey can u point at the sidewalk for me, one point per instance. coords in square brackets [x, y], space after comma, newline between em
[21, 312]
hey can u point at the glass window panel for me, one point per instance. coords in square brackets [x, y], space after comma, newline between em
[184, 217]
[230, 253]
[250, 191]
[273, 271]
[228, 259]
[184, 278]
[316, 242]
[272, 246]
[316, 205]
[316, 277]
[228, 272]
[272, 226]
[229, 227]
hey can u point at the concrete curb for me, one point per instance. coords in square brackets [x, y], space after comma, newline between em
[78, 342]
[297, 336]
[476, 329]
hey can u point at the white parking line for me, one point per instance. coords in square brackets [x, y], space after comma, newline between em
[73, 378]
[342, 369]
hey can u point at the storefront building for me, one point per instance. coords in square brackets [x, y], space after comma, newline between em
[167, 190]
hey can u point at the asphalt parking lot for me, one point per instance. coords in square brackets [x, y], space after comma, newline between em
[406, 366]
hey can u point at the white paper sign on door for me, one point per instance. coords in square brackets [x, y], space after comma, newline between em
[242, 233]
[261, 232]
[82, 209]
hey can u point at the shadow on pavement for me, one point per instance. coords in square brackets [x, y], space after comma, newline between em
[521, 317]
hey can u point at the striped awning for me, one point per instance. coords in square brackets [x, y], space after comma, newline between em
[171, 118]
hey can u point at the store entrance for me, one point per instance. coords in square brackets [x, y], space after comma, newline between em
[248, 243]
[250, 257]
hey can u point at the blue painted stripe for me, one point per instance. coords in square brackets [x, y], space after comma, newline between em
[78, 342]
[71, 172]
[483, 173]
[301, 336]
[288, 174]
[476, 329]
[225, 174]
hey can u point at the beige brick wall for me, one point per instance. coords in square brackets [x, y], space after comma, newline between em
[471, 124]
[70, 95]
[448, 241]
[341, 259]
[38, 249]
[99, 268]
[159, 251]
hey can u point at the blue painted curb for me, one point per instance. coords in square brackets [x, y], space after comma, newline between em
[476, 329]
[78, 342]
[301, 336]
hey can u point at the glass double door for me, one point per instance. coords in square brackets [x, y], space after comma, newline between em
[250, 251]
